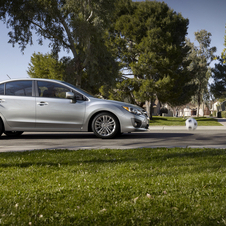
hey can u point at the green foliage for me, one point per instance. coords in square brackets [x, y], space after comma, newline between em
[218, 87]
[214, 113]
[76, 26]
[45, 66]
[223, 54]
[101, 69]
[149, 40]
[223, 114]
[126, 90]
[157, 186]
[201, 57]
[163, 110]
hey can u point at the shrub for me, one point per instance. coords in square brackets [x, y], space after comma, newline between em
[163, 110]
[223, 114]
[219, 114]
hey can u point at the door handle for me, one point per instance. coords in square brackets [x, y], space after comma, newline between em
[1, 100]
[42, 103]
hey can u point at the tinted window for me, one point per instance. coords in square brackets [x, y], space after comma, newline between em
[79, 96]
[51, 89]
[79, 89]
[2, 89]
[19, 88]
[55, 90]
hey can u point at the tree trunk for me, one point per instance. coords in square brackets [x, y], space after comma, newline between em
[78, 72]
[203, 109]
[147, 106]
[151, 107]
[198, 102]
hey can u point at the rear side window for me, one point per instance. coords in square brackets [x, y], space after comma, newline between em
[19, 88]
[2, 89]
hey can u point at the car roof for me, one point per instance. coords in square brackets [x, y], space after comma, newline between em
[30, 79]
[83, 92]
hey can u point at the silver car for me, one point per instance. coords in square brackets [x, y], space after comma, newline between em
[44, 105]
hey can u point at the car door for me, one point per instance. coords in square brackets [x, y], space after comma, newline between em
[17, 105]
[54, 112]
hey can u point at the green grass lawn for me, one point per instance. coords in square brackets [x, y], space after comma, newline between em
[160, 186]
[178, 121]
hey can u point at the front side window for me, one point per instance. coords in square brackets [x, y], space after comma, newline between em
[19, 88]
[79, 90]
[2, 89]
[51, 89]
[79, 96]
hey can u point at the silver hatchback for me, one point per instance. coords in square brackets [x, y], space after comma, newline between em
[44, 105]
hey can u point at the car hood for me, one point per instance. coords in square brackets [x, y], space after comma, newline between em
[119, 103]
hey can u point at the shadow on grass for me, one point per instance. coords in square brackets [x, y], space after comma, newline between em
[200, 154]
[158, 119]
[108, 156]
[206, 119]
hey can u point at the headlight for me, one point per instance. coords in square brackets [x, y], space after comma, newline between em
[133, 110]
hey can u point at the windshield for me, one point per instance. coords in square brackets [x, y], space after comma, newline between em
[79, 90]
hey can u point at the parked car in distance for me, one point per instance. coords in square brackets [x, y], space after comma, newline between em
[44, 105]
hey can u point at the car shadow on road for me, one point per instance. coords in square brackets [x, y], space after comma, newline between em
[125, 136]
[54, 136]
[152, 135]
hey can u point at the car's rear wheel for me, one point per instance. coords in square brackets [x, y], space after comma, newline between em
[1, 127]
[105, 125]
[13, 133]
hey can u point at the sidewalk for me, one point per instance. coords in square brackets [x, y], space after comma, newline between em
[222, 121]
[174, 128]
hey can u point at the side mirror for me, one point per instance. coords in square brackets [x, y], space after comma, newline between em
[70, 95]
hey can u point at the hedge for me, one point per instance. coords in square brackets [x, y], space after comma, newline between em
[223, 114]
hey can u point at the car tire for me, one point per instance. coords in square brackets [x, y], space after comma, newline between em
[13, 133]
[105, 125]
[1, 127]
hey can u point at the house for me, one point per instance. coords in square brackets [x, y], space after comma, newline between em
[218, 106]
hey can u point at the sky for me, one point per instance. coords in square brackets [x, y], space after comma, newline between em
[202, 14]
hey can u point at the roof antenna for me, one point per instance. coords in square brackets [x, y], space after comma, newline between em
[8, 76]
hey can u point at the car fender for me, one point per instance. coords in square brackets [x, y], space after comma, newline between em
[5, 124]
[94, 109]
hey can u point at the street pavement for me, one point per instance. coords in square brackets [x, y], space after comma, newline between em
[157, 136]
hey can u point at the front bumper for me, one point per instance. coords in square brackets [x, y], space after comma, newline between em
[136, 124]
[140, 123]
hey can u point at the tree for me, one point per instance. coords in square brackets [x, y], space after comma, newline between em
[149, 38]
[201, 58]
[76, 26]
[46, 66]
[218, 87]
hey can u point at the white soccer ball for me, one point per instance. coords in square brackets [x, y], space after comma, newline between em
[191, 124]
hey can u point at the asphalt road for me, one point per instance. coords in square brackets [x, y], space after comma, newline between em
[211, 137]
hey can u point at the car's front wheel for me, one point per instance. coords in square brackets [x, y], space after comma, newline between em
[13, 133]
[105, 125]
